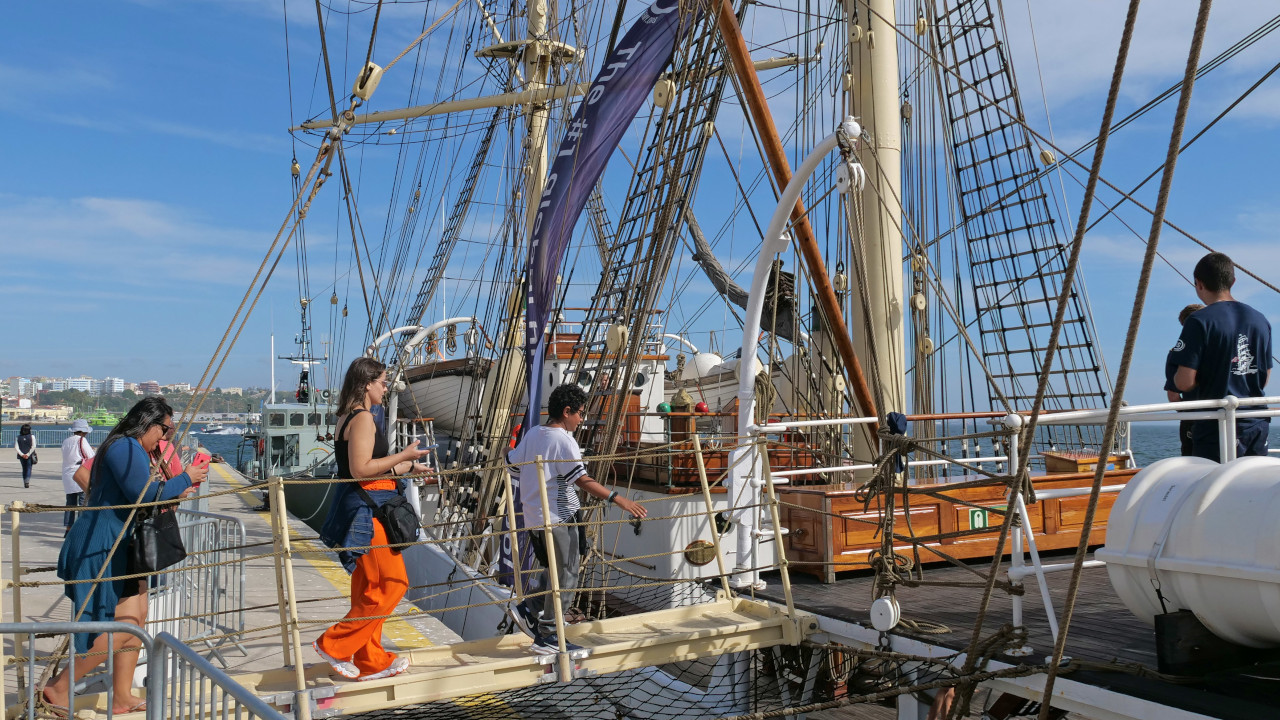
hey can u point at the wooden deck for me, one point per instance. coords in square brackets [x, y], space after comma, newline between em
[1102, 630]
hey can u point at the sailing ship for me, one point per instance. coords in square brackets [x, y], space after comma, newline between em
[996, 229]
[933, 289]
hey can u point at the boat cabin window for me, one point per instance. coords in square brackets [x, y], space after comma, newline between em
[295, 419]
[275, 419]
[330, 419]
[313, 419]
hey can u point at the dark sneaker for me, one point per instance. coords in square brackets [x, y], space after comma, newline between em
[550, 645]
[524, 619]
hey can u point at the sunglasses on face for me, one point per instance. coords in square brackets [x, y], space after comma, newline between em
[168, 429]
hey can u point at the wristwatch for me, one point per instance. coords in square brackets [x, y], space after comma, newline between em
[612, 495]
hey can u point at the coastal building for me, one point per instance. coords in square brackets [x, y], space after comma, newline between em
[112, 386]
[150, 387]
[23, 387]
[232, 391]
[40, 413]
[91, 386]
[178, 387]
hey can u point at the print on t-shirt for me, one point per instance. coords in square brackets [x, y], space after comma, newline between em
[1242, 363]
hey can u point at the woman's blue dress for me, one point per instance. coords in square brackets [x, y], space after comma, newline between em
[119, 476]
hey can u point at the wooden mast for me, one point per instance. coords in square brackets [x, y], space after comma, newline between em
[760, 116]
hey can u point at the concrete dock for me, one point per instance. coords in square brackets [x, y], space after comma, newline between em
[321, 583]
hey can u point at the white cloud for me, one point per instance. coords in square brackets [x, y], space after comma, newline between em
[116, 248]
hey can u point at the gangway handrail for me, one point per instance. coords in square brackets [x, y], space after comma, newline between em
[164, 642]
[168, 686]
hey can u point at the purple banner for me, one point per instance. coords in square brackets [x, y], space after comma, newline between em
[611, 104]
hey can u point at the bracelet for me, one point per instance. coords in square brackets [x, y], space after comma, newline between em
[612, 495]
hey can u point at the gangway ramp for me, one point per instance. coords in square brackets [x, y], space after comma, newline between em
[493, 665]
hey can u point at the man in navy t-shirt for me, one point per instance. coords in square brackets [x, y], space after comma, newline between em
[1224, 349]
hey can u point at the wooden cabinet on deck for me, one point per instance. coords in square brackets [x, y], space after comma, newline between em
[831, 531]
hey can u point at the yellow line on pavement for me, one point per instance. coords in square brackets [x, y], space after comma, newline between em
[404, 635]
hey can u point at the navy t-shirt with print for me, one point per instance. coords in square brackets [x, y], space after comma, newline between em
[1228, 344]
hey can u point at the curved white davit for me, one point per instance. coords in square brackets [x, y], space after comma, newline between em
[1206, 535]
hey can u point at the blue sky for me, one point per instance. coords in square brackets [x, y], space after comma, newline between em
[147, 169]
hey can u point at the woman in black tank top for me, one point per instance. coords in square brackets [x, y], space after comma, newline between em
[353, 647]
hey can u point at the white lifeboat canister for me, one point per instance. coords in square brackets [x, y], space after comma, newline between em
[1208, 535]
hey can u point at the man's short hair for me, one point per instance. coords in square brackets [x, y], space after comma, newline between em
[1188, 311]
[1215, 272]
[563, 398]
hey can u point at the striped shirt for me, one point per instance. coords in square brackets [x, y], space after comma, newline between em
[563, 469]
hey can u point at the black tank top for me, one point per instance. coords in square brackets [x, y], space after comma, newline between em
[380, 446]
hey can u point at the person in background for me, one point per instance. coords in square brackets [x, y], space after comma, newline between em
[564, 472]
[122, 475]
[353, 647]
[1170, 369]
[26, 447]
[1224, 349]
[75, 450]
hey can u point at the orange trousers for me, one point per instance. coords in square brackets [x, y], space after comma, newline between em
[377, 585]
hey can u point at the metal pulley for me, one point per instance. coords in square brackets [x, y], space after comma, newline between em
[840, 281]
[906, 110]
[295, 169]
[919, 301]
[922, 25]
[885, 613]
[663, 91]
[708, 129]
[855, 33]
[926, 345]
[367, 81]
[917, 263]
[333, 299]
[615, 337]
[1047, 157]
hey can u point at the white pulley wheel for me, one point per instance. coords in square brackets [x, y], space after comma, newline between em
[885, 614]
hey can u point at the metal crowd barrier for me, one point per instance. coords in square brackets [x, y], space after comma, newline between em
[202, 599]
[180, 683]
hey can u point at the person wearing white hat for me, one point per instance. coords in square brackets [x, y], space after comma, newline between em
[75, 450]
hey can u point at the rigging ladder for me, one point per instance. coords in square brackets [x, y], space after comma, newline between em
[1018, 261]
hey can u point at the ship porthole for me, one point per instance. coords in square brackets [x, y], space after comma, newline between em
[584, 379]
[641, 379]
[700, 552]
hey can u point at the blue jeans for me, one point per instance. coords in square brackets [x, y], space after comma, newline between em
[26, 471]
[1251, 438]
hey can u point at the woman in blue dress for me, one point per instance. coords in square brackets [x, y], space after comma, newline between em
[121, 475]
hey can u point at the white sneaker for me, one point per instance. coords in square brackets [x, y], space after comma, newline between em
[397, 666]
[344, 668]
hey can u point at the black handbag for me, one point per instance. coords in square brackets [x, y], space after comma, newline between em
[34, 457]
[397, 516]
[157, 541]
